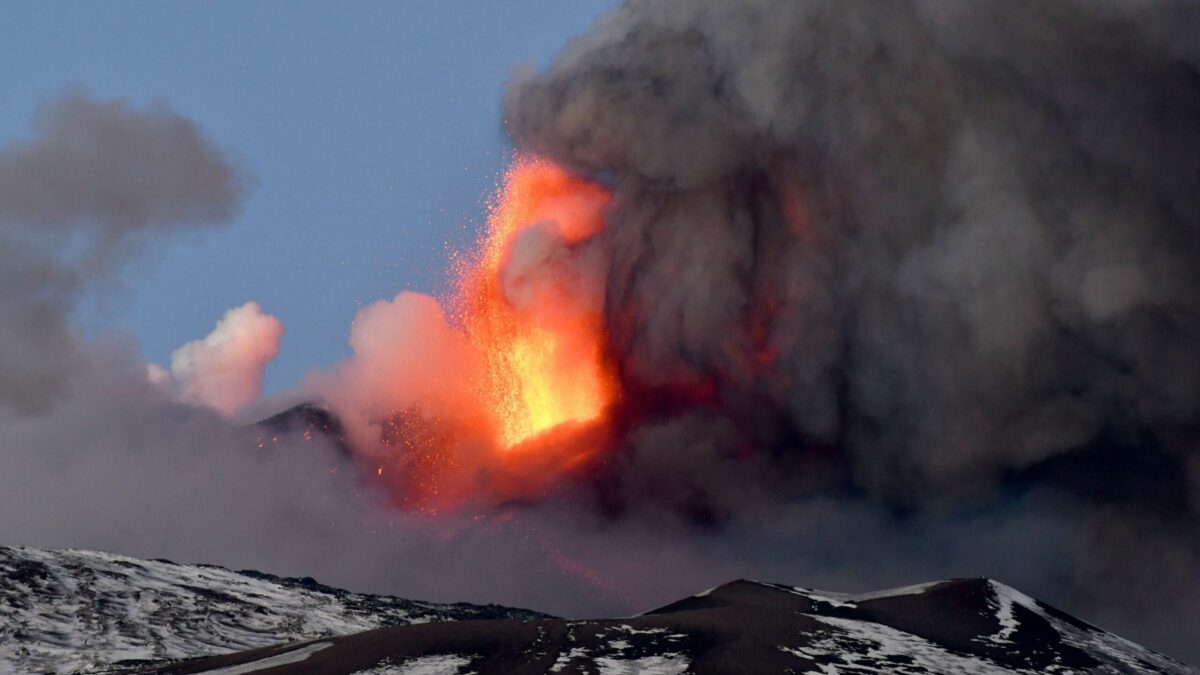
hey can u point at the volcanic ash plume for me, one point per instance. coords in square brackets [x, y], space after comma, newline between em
[97, 183]
[906, 249]
[952, 240]
[922, 252]
[827, 283]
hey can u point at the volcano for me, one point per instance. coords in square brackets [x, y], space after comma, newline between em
[93, 612]
[851, 294]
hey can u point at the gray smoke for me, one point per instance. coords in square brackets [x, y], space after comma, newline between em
[95, 450]
[97, 183]
[929, 253]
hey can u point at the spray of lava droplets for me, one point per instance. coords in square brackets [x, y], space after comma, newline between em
[514, 390]
[523, 306]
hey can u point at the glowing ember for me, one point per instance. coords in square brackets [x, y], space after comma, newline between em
[540, 336]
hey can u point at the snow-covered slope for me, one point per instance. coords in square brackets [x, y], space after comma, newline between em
[969, 626]
[1005, 631]
[86, 611]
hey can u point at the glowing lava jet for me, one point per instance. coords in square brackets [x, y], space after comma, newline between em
[529, 300]
[506, 392]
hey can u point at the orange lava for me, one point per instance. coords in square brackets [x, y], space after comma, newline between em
[539, 332]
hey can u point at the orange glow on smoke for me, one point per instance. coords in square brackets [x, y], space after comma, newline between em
[540, 337]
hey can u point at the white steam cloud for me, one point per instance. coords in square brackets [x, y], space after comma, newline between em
[225, 369]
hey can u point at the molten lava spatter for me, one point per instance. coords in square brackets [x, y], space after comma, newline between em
[539, 330]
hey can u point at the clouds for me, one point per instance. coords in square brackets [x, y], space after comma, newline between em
[96, 449]
[109, 165]
[96, 184]
[406, 355]
[225, 369]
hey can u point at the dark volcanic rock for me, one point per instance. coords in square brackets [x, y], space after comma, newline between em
[306, 422]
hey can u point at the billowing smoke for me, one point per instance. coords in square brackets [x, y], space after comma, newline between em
[865, 293]
[963, 238]
[935, 255]
[405, 354]
[100, 449]
[225, 369]
[98, 183]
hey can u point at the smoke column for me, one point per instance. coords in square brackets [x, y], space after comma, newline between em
[883, 292]
[874, 293]
[963, 239]
[931, 258]
[98, 182]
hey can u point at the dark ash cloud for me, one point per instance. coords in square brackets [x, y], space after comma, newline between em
[928, 253]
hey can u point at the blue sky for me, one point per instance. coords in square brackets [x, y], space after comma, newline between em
[373, 130]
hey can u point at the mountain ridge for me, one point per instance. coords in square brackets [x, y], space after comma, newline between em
[77, 611]
[977, 626]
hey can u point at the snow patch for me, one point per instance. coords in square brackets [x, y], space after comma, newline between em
[1006, 599]
[851, 600]
[641, 631]
[864, 646]
[565, 660]
[667, 664]
[437, 664]
[293, 656]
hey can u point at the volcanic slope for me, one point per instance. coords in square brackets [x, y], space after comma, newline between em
[974, 626]
[88, 612]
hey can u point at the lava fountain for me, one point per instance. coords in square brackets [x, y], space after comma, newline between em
[529, 299]
[505, 385]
